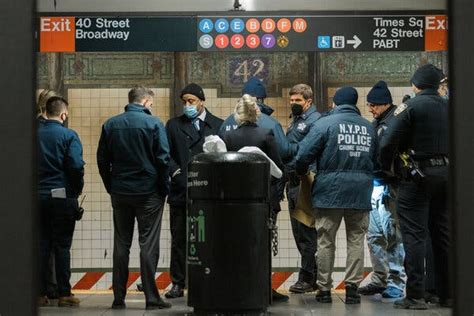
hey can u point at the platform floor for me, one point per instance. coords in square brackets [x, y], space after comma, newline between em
[299, 304]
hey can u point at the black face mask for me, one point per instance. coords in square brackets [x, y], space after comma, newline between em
[296, 109]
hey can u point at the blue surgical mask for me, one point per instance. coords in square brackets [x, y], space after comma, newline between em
[190, 111]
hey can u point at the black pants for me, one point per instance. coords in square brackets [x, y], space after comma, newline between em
[148, 210]
[56, 231]
[430, 283]
[422, 209]
[305, 239]
[52, 285]
[178, 245]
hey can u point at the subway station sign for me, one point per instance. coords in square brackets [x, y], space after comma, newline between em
[309, 33]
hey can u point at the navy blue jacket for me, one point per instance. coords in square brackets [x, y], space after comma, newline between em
[285, 148]
[60, 163]
[133, 153]
[420, 125]
[343, 144]
[380, 125]
[297, 131]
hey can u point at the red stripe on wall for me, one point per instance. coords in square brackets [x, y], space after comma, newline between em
[342, 286]
[278, 278]
[132, 277]
[88, 280]
[163, 280]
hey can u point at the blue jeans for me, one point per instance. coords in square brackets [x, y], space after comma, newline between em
[385, 241]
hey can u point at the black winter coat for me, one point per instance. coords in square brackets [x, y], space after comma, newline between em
[250, 134]
[185, 142]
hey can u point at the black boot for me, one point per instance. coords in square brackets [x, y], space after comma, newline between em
[324, 296]
[351, 294]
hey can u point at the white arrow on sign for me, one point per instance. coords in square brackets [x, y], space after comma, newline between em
[356, 41]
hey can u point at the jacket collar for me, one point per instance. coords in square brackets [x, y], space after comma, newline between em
[248, 124]
[265, 109]
[386, 114]
[345, 108]
[137, 108]
[52, 122]
[428, 92]
[307, 113]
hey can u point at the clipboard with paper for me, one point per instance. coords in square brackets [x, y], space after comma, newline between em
[303, 211]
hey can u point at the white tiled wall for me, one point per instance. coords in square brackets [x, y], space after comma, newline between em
[93, 239]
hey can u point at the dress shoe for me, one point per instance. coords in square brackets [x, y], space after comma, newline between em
[68, 301]
[431, 298]
[43, 301]
[410, 303]
[301, 287]
[351, 295]
[159, 305]
[175, 292]
[371, 289]
[118, 305]
[446, 302]
[278, 297]
[324, 296]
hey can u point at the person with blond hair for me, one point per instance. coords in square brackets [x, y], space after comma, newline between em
[41, 105]
[248, 133]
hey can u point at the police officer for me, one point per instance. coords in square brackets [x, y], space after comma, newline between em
[52, 285]
[60, 182]
[419, 130]
[383, 237]
[133, 157]
[304, 115]
[344, 145]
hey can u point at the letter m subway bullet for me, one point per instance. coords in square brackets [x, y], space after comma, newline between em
[57, 34]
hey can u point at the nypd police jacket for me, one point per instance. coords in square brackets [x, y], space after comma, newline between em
[343, 145]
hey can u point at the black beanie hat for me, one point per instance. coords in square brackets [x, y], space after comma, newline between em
[426, 77]
[346, 95]
[193, 89]
[379, 94]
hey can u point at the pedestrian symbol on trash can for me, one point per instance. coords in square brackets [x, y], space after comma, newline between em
[197, 227]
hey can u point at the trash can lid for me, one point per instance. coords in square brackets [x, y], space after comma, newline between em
[232, 157]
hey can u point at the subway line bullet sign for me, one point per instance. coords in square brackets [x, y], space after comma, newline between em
[323, 33]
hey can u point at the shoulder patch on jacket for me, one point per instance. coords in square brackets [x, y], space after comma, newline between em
[400, 109]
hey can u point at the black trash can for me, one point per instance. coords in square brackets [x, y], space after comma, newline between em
[228, 250]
